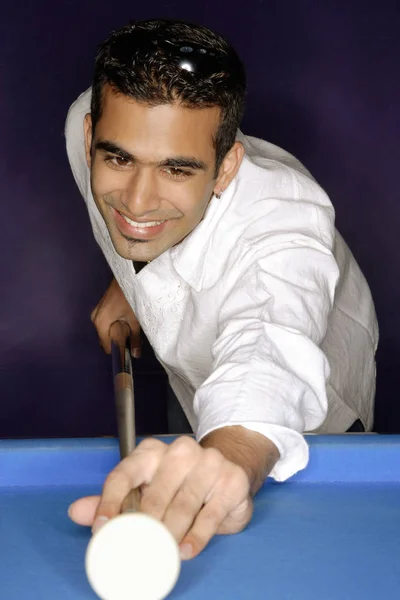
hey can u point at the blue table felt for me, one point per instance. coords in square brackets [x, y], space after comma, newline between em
[332, 532]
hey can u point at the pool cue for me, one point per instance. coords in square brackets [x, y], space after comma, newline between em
[133, 555]
[124, 397]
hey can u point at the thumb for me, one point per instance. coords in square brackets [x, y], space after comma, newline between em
[136, 343]
[83, 511]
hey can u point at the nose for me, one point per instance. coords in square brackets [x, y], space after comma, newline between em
[141, 195]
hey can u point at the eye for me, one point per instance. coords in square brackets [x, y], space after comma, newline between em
[176, 173]
[117, 161]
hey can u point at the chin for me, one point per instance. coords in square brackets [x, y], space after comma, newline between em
[122, 248]
[139, 251]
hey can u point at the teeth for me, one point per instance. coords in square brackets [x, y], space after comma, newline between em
[141, 225]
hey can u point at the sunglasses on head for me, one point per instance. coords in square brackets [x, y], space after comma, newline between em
[189, 56]
[194, 57]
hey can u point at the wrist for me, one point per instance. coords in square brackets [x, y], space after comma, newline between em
[252, 451]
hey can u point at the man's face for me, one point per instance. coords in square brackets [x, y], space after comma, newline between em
[152, 172]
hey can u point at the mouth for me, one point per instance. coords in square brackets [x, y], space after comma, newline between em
[142, 230]
[140, 224]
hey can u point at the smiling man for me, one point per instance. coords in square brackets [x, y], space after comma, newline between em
[153, 171]
[224, 250]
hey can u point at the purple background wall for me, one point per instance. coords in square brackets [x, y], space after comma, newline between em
[323, 83]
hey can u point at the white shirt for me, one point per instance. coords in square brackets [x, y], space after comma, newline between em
[261, 316]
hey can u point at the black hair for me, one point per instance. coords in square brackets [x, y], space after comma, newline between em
[165, 61]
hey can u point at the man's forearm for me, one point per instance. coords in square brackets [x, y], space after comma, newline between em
[252, 451]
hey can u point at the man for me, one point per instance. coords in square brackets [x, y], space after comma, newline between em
[224, 250]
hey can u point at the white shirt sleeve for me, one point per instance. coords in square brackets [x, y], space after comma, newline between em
[269, 373]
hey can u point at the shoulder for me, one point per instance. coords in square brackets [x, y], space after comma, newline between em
[274, 193]
[259, 151]
[277, 173]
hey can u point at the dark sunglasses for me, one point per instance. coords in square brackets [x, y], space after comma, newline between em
[193, 57]
[189, 56]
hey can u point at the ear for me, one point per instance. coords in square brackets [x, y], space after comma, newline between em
[229, 167]
[88, 131]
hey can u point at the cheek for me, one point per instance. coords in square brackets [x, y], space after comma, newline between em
[105, 180]
[203, 200]
[194, 207]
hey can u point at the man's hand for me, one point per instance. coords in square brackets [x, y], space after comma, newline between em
[112, 307]
[194, 489]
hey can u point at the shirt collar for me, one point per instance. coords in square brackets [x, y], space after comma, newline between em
[189, 258]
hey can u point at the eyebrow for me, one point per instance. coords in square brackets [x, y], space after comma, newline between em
[176, 162]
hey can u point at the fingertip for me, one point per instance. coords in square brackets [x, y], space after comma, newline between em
[71, 511]
[74, 513]
[106, 347]
[186, 551]
[83, 511]
[190, 547]
[98, 523]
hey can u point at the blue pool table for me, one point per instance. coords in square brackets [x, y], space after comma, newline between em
[331, 533]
